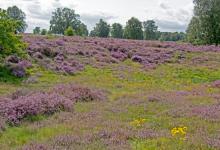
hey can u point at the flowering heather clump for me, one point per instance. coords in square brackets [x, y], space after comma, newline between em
[216, 84]
[64, 52]
[35, 104]
[67, 140]
[77, 93]
[33, 146]
[17, 66]
[23, 105]
[214, 142]
[117, 137]
[208, 112]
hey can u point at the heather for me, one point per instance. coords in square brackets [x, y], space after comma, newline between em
[62, 54]
[94, 93]
[61, 98]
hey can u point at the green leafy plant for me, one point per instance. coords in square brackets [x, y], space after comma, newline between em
[69, 31]
[10, 43]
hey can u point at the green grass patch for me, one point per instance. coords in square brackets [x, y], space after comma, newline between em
[7, 77]
[17, 136]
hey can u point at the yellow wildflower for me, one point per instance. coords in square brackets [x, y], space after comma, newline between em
[138, 122]
[180, 132]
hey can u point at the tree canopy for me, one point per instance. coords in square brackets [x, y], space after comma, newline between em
[133, 29]
[150, 30]
[17, 14]
[117, 30]
[82, 30]
[36, 30]
[205, 25]
[10, 43]
[101, 29]
[62, 18]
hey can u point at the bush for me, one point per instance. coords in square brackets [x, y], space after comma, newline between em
[17, 66]
[10, 43]
[43, 32]
[7, 76]
[32, 105]
[69, 31]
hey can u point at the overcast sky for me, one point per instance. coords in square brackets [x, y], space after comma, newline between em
[170, 15]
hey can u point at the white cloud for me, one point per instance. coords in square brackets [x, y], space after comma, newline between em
[170, 14]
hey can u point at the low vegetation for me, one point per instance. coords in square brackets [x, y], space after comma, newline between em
[131, 100]
[78, 92]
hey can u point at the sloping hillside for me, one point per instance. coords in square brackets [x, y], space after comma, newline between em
[94, 93]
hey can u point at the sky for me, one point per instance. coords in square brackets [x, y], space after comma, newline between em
[170, 15]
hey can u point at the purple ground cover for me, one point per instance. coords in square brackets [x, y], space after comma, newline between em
[61, 98]
[62, 54]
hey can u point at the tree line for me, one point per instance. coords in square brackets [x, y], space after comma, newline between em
[204, 27]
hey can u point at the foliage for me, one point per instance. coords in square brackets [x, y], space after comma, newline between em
[62, 18]
[101, 29]
[150, 30]
[93, 33]
[18, 15]
[7, 77]
[9, 42]
[82, 30]
[69, 31]
[194, 34]
[204, 27]
[37, 30]
[171, 36]
[117, 30]
[133, 29]
[43, 32]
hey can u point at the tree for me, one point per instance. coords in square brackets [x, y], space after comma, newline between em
[43, 32]
[82, 30]
[36, 30]
[207, 20]
[93, 33]
[62, 18]
[10, 43]
[69, 31]
[172, 36]
[133, 29]
[117, 30]
[101, 29]
[17, 14]
[193, 32]
[150, 30]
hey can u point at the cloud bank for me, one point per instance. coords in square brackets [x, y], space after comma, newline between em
[170, 15]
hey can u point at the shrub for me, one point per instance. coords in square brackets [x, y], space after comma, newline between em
[17, 66]
[7, 76]
[32, 105]
[79, 94]
[69, 31]
[10, 43]
[43, 32]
